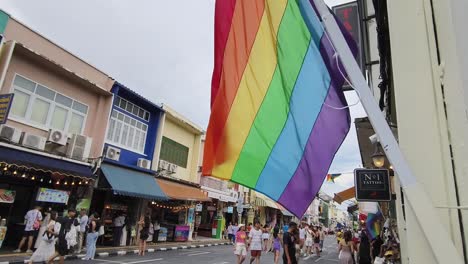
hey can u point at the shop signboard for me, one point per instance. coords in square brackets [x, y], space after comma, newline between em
[181, 233]
[83, 204]
[7, 196]
[199, 207]
[52, 196]
[5, 105]
[372, 185]
[191, 213]
[162, 234]
[230, 210]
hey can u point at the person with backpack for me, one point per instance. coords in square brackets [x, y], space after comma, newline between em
[93, 234]
[66, 234]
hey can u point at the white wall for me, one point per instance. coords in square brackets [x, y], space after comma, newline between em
[422, 125]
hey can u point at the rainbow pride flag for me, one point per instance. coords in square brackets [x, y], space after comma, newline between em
[332, 177]
[276, 89]
[373, 224]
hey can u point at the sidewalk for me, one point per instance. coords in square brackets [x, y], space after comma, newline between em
[103, 252]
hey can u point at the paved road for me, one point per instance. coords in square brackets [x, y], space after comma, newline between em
[210, 255]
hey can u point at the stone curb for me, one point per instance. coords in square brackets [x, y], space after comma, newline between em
[128, 252]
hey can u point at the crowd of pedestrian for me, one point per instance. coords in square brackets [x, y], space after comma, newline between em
[58, 236]
[297, 241]
[357, 247]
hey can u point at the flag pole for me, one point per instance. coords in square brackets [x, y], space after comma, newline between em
[416, 196]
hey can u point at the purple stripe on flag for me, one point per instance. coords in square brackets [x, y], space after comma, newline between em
[329, 132]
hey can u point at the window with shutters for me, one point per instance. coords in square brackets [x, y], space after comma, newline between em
[174, 152]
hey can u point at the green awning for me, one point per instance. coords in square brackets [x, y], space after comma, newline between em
[132, 183]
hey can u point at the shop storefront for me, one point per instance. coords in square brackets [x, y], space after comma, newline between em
[30, 178]
[123, 191]
[177, 216]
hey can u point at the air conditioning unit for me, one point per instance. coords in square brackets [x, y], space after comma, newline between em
[57, 137]
[33, 141]
[113, 153]
[79, 147]
[144, 163]
[172, 168]
[10, 134]
[163, 164]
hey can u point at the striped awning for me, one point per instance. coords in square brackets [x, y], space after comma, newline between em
[264, 201]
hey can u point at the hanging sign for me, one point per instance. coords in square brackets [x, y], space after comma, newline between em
[230, 209]
[199, 207]
[348, 15]
[5, 104]
[372, 185]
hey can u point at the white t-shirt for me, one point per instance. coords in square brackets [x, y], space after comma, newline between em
[31, 217]
[309, 235]
[255, 239]
[83, 223]
[302, 233]
[229, 230]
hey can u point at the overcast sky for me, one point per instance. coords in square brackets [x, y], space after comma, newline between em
[161, 49]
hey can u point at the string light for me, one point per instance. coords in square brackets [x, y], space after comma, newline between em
[86, 182]
[32, 178]
[73, 183]
[58, 182]
[14, 173]
[66, 183]
[42, 180]
[79, 183]
[5, 168]
[22, 176]
[50, 181]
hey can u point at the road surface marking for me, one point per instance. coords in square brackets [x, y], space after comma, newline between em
[192, 252]
[143, 261]
[201, 253]
[317, 260]
[109, 261]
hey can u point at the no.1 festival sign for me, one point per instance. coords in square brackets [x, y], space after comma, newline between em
[372, 185]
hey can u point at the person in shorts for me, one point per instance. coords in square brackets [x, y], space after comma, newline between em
[255, 243]
[33, 220]
[265, 237]
[276, 244]
[302, 237]
[309, 242]
[316, 235]
[240, 248]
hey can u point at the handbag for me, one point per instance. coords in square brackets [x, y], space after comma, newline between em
[37, 223]
[101, 230]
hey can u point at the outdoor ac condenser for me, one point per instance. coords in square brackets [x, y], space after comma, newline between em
[33, 141]
[10, 134]
[79, 147]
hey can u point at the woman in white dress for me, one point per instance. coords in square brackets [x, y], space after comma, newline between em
[47, 242]
[42, 230]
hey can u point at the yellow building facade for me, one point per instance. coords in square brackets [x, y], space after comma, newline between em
[178, 148]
